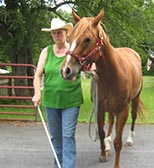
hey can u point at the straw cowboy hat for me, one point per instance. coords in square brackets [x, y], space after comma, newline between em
[56, 23]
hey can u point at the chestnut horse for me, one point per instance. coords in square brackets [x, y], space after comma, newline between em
[119, 82]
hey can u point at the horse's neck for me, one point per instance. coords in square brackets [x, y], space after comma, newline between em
[107, 63]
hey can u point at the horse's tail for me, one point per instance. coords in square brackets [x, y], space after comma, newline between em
[142, 110]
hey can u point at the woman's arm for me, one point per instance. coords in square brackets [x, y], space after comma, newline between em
[38, 77]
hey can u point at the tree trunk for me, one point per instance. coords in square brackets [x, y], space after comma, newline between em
[23, 56]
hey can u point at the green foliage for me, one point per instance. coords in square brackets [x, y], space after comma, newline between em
[128, 23]
[20, 29]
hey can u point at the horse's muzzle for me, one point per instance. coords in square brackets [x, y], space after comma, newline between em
[66, 73]
[69, 74]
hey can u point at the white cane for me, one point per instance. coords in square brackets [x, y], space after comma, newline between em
[47, 133]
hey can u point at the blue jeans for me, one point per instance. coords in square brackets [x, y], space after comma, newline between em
[62, 125]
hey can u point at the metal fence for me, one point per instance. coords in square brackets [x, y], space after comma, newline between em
[16, 106]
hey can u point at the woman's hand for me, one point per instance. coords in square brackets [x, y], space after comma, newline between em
[36, 100]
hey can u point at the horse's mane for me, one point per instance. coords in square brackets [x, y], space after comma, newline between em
[105, 38]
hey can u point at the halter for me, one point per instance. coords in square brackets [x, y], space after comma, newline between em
[82, 60]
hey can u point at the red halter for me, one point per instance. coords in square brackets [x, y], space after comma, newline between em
[90, 54]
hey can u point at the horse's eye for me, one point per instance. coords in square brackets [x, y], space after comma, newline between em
[87, 40]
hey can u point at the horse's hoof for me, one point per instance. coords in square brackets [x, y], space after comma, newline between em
[108, 152]
[103, 158]
[128, 143]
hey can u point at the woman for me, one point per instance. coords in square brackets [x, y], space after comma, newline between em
[61, 99]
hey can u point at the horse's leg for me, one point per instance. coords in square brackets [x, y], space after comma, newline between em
[135, 104]
[120, 122]
[108, 139]
[100, 122]
[111, 122]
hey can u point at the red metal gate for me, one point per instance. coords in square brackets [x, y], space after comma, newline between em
[12, 106]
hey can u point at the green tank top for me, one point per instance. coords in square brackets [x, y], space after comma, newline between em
[57, 92]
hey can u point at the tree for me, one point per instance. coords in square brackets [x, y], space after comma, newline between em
[20, 33]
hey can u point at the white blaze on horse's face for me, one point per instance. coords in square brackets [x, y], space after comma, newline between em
[68, 58]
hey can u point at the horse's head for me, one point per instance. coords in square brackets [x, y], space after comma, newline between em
[85, 42]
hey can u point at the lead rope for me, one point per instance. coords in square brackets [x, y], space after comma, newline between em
[94, 96]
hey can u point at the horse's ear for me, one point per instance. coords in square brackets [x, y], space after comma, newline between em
[75, 16]
[98, 17]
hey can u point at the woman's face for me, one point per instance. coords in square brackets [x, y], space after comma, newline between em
[59, 36]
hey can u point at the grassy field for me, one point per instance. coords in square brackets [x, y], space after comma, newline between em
[147, 97]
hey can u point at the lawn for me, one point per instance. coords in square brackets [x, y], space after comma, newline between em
[147, 96]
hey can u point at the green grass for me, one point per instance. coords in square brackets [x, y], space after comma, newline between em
[28, 112]
[147, 96]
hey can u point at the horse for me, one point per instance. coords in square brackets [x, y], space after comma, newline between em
[119, 78]
[150, 60]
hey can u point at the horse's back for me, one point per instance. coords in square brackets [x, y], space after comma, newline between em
[131, 60]
[129, 54]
